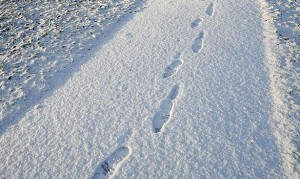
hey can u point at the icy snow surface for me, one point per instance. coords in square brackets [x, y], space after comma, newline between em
[181, 90]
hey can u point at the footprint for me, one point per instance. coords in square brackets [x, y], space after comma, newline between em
[196, 22]
[172, 68]
[129, 35]
[177, 55]
[174, 92]
[164, 114]
[108, 167]
[210, 9]
[198, 43]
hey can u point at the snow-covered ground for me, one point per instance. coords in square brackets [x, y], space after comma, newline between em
[41, 39]
[185, 89]
[283, 57]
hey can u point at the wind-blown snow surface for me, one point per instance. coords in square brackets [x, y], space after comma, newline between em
[120, 115]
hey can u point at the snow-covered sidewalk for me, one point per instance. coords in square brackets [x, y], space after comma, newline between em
[182, 90]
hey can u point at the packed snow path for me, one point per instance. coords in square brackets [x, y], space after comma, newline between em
[181, 90]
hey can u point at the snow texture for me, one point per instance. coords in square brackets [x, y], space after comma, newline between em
[41, 40]
[282, 40]
[180, 89]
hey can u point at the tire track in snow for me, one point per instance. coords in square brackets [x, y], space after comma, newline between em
[198, 43]
[109, 166]
[164, 114]
[210, 9]
[173, 68]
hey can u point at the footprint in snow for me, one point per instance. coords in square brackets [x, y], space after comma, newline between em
[198, 43]
[210, 9]
[174, 92]
[173, 67]
[196, 23]
[129, 35]
[108, 167]
[164, 114]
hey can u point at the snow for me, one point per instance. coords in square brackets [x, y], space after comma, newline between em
[178, 90]
[41, 39]
[282, 54]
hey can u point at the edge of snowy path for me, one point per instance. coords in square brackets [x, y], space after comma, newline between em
[282, 124]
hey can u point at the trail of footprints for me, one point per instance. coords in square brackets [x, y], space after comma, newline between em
[108, 167]
[164, 114]
[199, 40]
